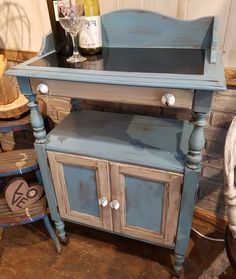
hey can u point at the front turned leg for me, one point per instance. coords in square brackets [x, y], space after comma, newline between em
[40, 135]
[190, 186]
[60, 226]
[179, 260]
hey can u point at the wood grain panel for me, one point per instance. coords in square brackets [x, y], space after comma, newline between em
[108, 6]
[166, 7]
[130, 4]
[44, 16]
[17, 162]
[181, 9]
[146, 29]
[230, 38]
[21, 24]
[191, 9]
[115, 93]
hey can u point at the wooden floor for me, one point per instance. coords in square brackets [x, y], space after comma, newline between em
[27, 252]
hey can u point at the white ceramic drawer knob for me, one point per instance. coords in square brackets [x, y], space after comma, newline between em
[168, 99]
[115, 204]
[103, 201]
[43, 88]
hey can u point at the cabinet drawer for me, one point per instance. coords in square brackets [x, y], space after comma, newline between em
[114, 93]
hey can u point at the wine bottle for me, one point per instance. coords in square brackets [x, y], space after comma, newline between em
[90, 39]
[62, 40]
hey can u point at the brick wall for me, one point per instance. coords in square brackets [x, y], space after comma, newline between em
[211, 188]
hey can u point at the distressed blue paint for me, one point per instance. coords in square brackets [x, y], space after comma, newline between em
[196, 141]
[144, 203]
[141, 140]
[47, 181]
[19, 171]
[202, 101]
[52, 233]
[213, 78]
[82, 189]
[24, 85]
[138, 28]
[47, 44]
[133, 140]
[35, 116]
[144, 29]
[14, 128]
[188, 198]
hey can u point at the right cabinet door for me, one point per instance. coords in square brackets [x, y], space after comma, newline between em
[145, 202]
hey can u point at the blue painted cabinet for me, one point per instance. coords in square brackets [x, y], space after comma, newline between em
[128, 174]
[109, 171]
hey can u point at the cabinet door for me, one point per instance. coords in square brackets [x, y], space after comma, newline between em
[82, 189]
[148, 202]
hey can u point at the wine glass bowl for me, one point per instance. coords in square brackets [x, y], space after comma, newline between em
[71, 18]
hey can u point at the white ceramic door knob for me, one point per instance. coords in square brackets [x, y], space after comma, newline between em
[168, 99]
[103, 201]
[115, 204]
[43, 88]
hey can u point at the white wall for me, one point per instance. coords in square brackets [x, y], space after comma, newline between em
[24, 22]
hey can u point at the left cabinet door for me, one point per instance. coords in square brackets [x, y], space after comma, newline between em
[82, 189]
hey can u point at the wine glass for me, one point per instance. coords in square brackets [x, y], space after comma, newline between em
[71, 17]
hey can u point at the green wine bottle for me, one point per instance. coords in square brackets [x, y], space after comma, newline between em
[90, 39]
[62, 40]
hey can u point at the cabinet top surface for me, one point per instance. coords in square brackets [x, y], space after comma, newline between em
[142, 60]
[141, 48]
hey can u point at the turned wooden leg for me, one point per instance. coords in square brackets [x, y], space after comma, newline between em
[52, 233]
[60, 226]
[190, 186]
[40, 135]
[179, 260]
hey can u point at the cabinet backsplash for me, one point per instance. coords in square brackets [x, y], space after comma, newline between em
[36, 15]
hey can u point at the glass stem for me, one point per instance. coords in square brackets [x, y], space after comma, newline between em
[75, 46]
